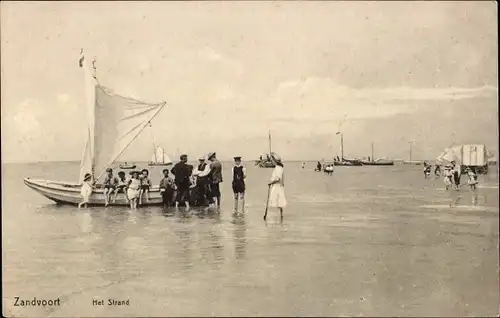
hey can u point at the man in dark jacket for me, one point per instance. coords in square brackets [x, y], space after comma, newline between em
[215, 177]
[182, 172]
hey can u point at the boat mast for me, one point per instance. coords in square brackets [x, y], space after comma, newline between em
[410, 149]
[341, 147]
[270, 150]
[372, 153]
[154, 144]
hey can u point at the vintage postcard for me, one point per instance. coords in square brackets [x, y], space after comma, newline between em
[249, 158]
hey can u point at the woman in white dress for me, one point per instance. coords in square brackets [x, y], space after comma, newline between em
[277, 197]
[86, 190]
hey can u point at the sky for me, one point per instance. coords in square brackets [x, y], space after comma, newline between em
[386, 73]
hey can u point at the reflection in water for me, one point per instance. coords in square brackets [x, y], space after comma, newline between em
[108, 227]
[184, 234]
[239, 235]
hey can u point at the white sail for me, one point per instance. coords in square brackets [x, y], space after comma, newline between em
[117, 121]
[86, 164]
[159, 154]
[166, 159]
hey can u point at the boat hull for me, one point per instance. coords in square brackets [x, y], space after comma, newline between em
[375, 163]
[348, 163]
[417, 163]
[159, 164]
[69, 193]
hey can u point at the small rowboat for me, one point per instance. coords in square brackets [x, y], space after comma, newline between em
[265, 164]
[127, 166]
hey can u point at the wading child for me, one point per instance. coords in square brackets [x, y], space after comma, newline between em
[86, 190]
[448, 177]
[239, 176]
[167, 188]
[110, 183]
[145, 185]
[471, 173]
[134, 185]
[122, 186]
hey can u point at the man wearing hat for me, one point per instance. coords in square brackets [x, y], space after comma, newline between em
[182, 172]
[110, 183]
[239, 176]
[201, 173]
[215, 177]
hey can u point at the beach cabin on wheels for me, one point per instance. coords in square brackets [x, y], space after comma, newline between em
[471, 155]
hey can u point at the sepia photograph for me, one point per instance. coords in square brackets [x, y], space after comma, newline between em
[249, 158]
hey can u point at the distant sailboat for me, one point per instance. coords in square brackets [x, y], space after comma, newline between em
[411, 162]
[159, 157]
[114, 122]
[343, 161]
[378, 162]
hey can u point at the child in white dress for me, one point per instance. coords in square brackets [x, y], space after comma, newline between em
[86, 190]
[134, 187]
[277, 197]
[472, 179]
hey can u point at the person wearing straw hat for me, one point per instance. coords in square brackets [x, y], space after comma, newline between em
[216, 178]
[201, 174]
[277, 197]
[239, 176]
[86, 190]
[145, 185]
[134, 188]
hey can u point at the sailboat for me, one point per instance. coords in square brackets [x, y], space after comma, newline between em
[379, 162]
[114, 122]
[412, 162]
[266, 162]
[159, 157]
[343, 161]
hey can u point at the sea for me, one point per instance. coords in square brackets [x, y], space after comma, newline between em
[365, 241]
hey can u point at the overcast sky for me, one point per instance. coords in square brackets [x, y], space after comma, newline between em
[384, 72]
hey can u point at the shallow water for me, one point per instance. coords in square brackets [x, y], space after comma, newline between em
[366, 241]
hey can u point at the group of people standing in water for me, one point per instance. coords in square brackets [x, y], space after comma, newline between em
[186, 184]
[452, 174]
